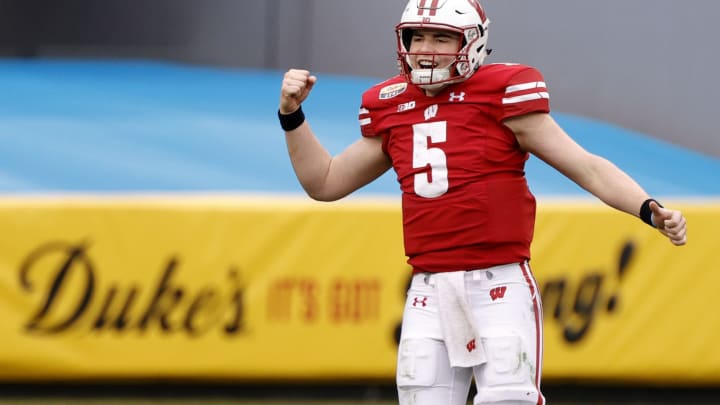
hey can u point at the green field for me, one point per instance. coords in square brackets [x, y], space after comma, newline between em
[195, 401]
[226, 401]
[187, 394]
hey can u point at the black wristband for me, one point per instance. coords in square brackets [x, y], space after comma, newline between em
[646, 212]
[291, 121]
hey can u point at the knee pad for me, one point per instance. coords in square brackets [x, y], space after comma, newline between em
[417, 362]
[424, 375]
[508, 377]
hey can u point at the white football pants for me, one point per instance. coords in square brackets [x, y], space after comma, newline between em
[507, 312]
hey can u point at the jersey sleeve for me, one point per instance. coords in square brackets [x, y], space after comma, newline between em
[370, 118]
[525, 92]
[365, 117]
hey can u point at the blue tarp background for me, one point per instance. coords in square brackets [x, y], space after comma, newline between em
[139, 126]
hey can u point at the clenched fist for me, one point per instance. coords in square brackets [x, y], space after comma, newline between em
[296, 86]
[670, 223]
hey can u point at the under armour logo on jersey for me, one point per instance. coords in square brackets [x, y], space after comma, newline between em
[471, 345]
[431, 112]
[457, 97]
[420, 301]
[498, 292]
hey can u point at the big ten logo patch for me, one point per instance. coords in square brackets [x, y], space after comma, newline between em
[406, 106]
[575, 306]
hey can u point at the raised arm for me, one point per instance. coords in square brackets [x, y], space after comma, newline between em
[540, 135]
[324, 177]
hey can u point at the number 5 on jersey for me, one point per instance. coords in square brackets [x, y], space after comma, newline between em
[433, 183]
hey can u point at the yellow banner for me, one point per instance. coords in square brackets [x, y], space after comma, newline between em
[621, 303]
[191, 288]
[288, 289]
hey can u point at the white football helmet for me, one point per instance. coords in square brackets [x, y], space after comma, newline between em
[465, 17]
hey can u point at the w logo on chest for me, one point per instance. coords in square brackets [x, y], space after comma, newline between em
[498, 293]
[431, 112]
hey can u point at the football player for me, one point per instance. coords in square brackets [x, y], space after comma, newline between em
[457, 133]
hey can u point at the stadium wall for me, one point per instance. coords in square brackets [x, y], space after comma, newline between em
[630, 63]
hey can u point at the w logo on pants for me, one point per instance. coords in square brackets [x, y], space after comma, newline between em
[498, 292]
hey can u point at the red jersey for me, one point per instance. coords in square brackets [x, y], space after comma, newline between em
[465, 200]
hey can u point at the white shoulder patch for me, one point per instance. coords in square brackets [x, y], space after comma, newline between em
[392, 90]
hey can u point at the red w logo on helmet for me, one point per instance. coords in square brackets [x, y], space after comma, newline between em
[476, 5]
